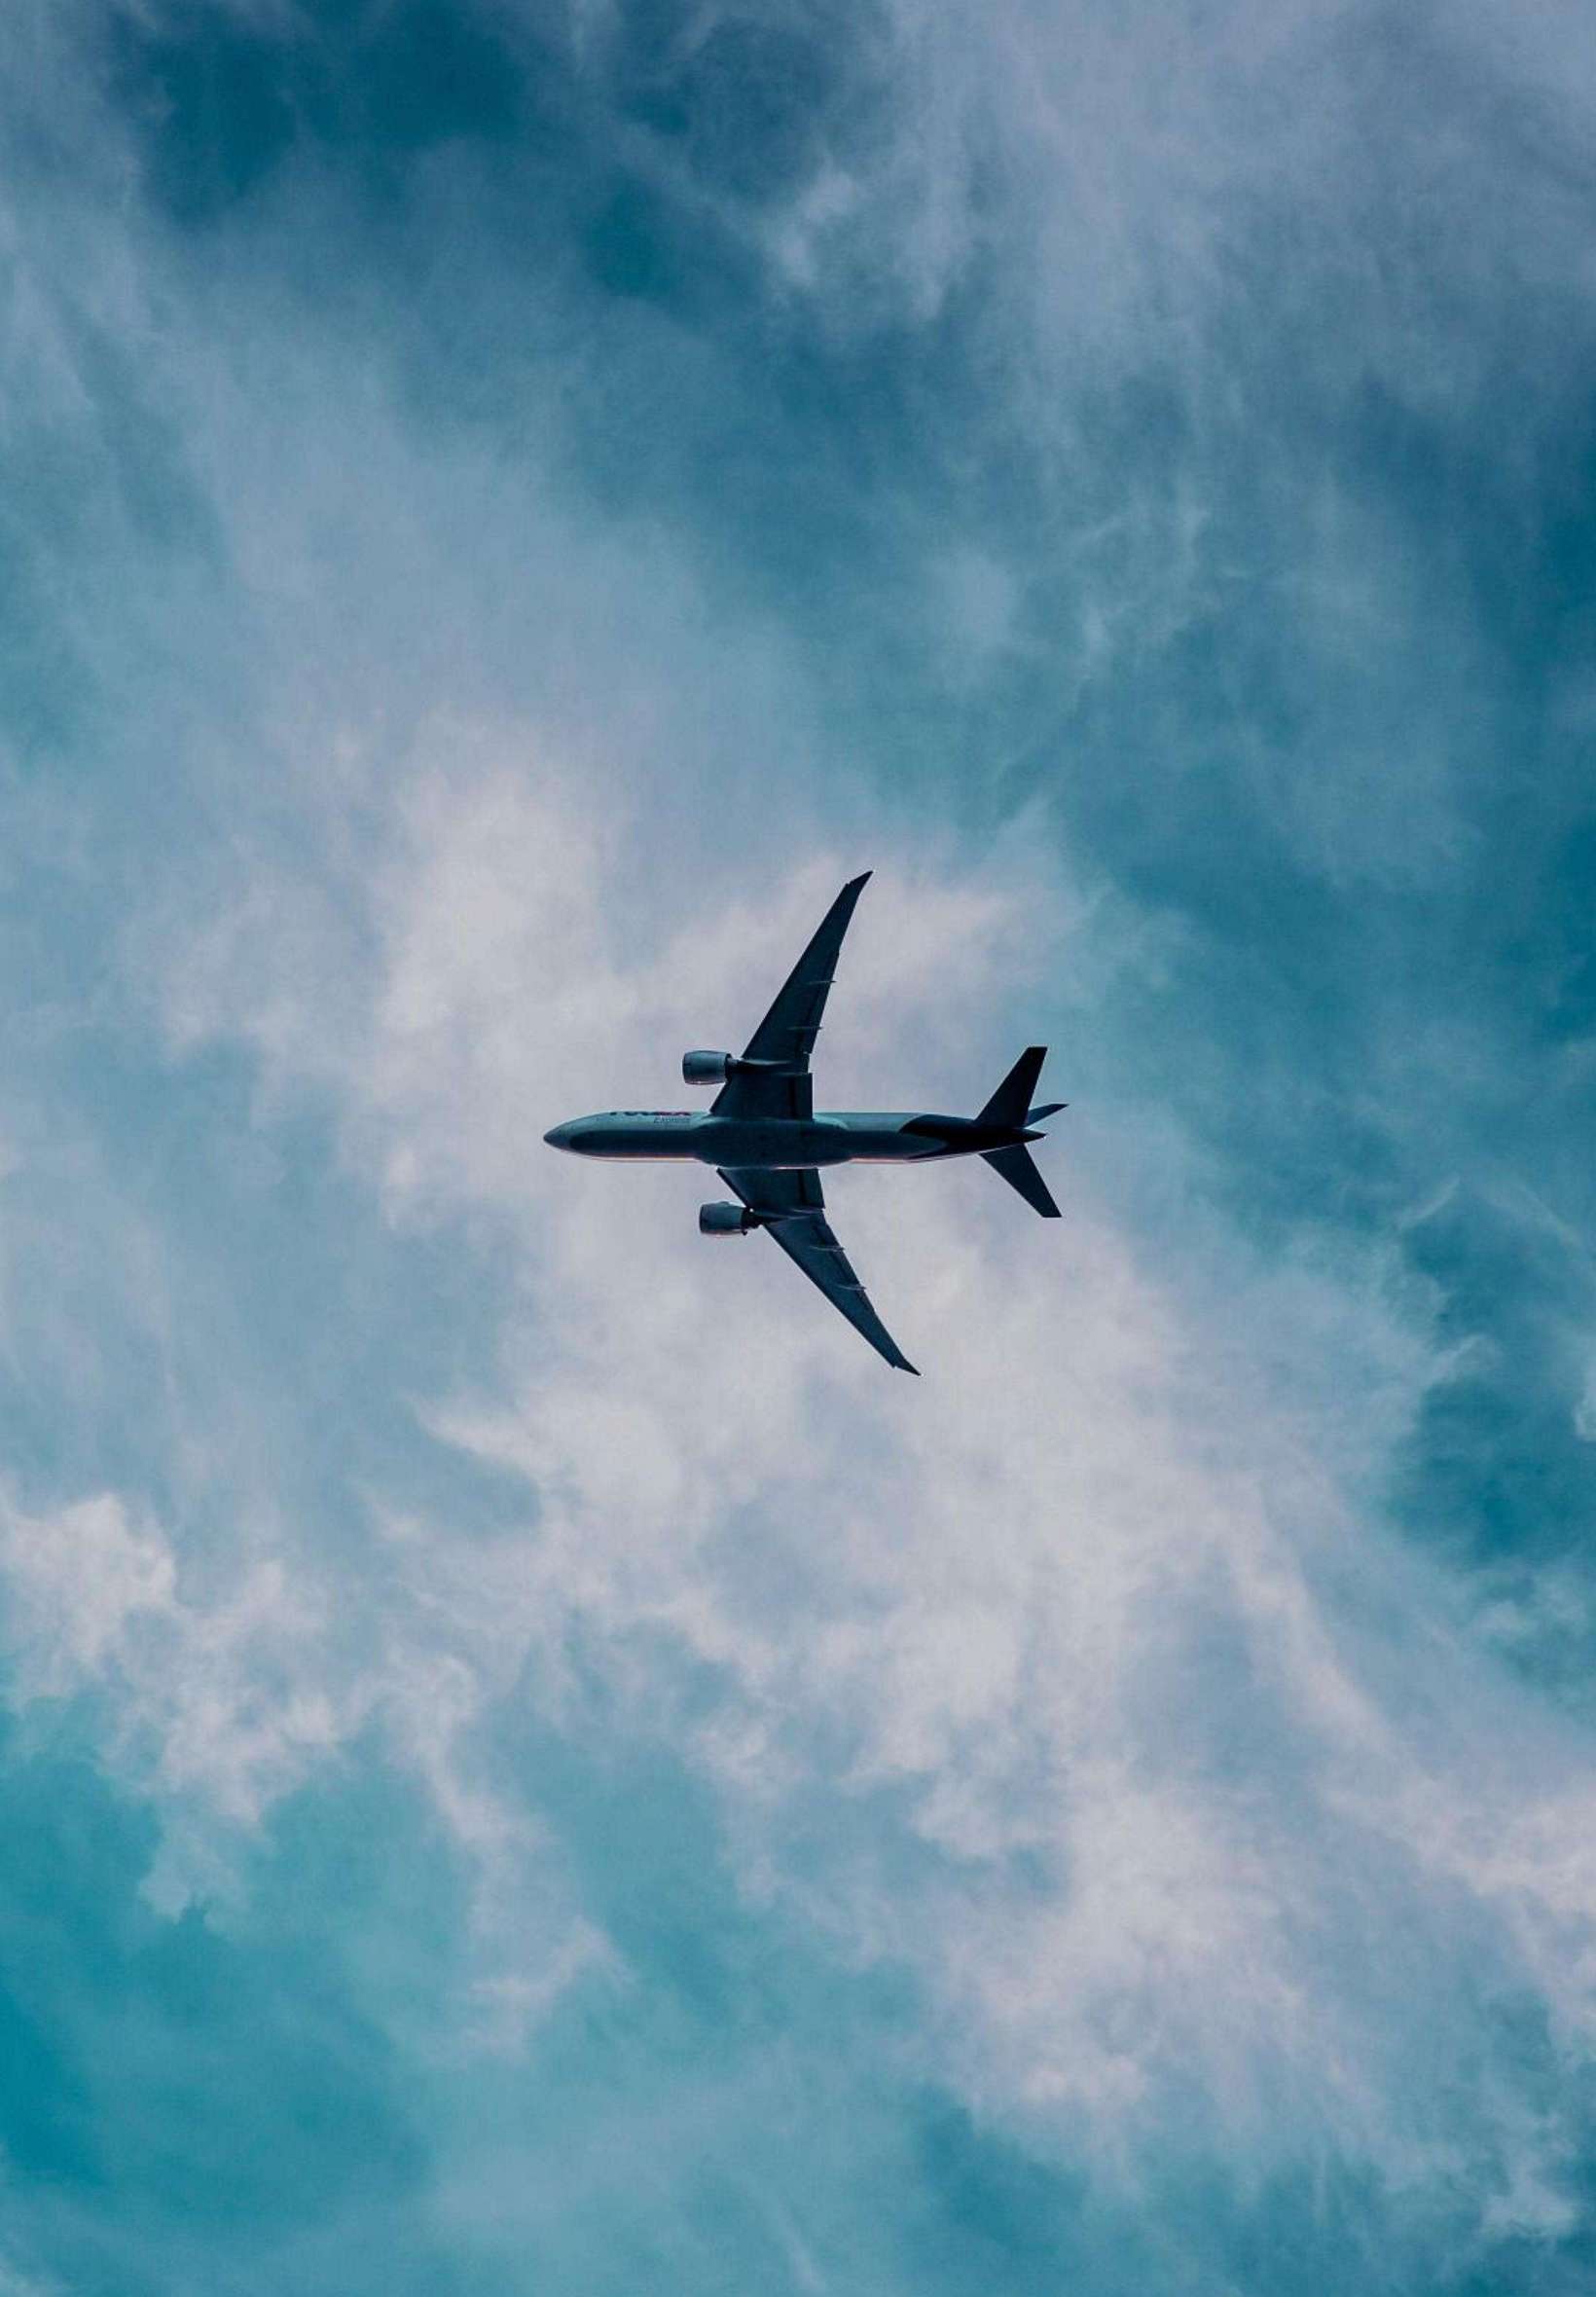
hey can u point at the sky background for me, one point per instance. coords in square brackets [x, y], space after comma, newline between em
[530, 1762]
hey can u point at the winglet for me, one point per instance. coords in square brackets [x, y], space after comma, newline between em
[890, 1350]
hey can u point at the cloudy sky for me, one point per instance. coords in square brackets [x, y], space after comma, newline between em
[530, 1762]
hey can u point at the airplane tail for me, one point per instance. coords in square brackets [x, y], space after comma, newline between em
[1017, 1167]
[1010, 1103]
[1009, 1108]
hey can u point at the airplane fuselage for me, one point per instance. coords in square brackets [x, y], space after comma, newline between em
[877, 1136]
[769, 1143]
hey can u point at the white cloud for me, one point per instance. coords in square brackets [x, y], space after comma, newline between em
[225, 1697]
[1131, 1735]
[1085, 1617]
[226, 1688]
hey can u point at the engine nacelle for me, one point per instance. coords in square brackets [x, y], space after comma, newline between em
[707, 1067]
[725, 1220]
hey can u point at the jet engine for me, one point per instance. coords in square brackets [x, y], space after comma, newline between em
[707, 1067]
[725, 1220]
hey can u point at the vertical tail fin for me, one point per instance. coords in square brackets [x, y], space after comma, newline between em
[1010, 1103]
[1016, 1167]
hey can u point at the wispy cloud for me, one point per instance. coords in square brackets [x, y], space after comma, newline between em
[1098, 1635]
[493, 546]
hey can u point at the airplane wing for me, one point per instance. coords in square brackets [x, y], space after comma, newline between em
[788, 1033]
[796, 1207]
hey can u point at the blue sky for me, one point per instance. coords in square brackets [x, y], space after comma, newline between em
[529, 1765]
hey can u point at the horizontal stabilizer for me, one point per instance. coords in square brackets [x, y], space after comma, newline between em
[1047, 1109]
[1017, 1168]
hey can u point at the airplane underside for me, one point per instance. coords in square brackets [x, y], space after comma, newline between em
[805, 1147]
[769, 1144]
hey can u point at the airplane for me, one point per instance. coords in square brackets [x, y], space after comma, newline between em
[768, 1141]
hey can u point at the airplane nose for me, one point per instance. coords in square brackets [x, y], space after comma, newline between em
[559, 1136]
